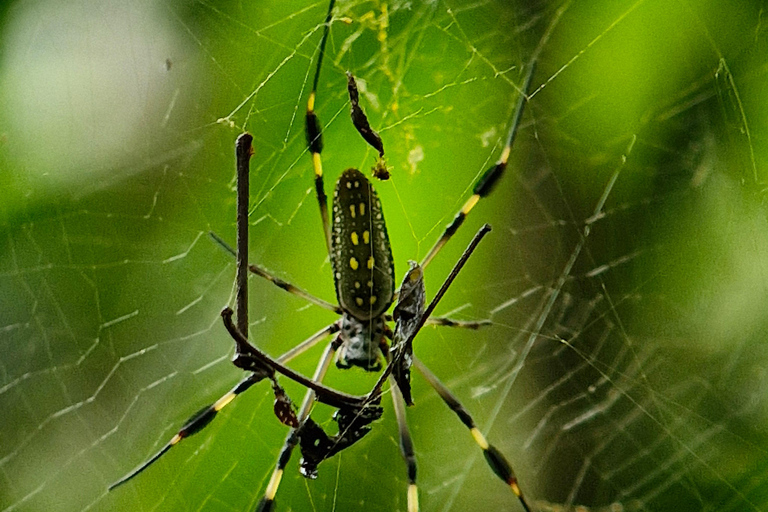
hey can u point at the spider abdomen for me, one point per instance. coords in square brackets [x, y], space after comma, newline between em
[360, 253]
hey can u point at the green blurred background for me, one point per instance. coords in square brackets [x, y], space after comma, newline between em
[626, 275]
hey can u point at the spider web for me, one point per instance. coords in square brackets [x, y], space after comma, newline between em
[625, 277]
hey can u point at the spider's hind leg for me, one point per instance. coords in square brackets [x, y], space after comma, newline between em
[493, 456]
[409, 315]
[195, 424]
[406, 446]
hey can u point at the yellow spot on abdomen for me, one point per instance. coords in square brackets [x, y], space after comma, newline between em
[366, 237]
[353, 263]
[353, 236]
[359, 301]
[352, 210]
[371, 262]
[362, 208]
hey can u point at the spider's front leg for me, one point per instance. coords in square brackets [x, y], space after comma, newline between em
[352, 418]
[267, 502]
[314, 132]
[408, 315]
[488, 181]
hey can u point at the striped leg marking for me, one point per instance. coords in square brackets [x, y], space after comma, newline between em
[267, 502]
[489, 179]
[495, 459]
[204, 416]
[314, 134]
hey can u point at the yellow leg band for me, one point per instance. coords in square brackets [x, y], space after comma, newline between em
[317, 163]
[274, 483]
[413, 498]
[311, 102]
[471, 202]
[479, 438]
[505, 155]
[223, 401]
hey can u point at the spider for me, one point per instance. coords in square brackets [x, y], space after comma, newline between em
[361, 259]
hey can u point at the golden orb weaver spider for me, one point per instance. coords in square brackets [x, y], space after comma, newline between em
[361, 259]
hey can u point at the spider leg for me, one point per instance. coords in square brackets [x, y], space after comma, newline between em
[449, 322]
[410, 316]
[406, 446]
[280, 283]
[204, 416]
[353, 421]
[416, 320]
[249, 358]
[267, 501]
[244, 151]
[195, 424]
[493, 456]
[315, 135]
[489, 179]
[443, 321]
